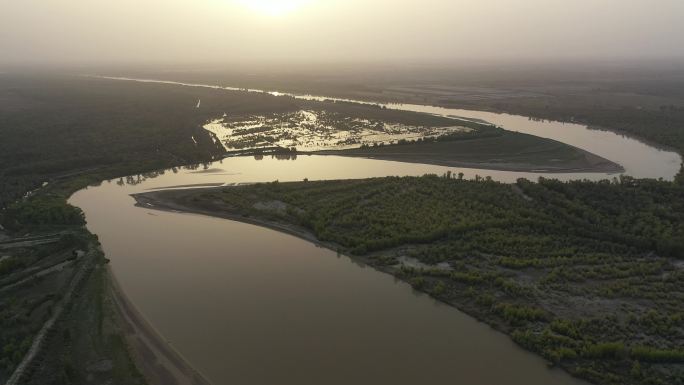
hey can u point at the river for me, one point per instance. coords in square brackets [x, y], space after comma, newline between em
[249, 305]
[639, 159]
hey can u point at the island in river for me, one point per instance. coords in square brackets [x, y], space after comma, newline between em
[582, 281]
[507, 151]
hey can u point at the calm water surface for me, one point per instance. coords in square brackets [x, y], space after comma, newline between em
[248, 305]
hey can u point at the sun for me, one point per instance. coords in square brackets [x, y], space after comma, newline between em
[274, 7]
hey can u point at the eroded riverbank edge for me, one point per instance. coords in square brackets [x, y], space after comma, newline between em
[156, 200]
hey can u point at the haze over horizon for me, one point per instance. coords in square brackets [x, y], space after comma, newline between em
[59, 32]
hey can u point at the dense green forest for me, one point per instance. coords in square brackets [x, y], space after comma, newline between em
[590, 275]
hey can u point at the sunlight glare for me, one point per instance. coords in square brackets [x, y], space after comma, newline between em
[274, 7]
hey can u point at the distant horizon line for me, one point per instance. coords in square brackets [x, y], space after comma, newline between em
[447, 63]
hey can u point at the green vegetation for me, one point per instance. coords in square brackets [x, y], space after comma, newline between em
[489, 147]
[86, 344]
[42, 210]
[56, 266]
[55, 127]
[589, 275]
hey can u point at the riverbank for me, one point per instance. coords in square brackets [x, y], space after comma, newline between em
[159, 363]
[178, 201]
[559, 307]
[161, 201]
[158, 200]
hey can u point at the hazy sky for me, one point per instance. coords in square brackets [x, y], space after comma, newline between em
[189, 31]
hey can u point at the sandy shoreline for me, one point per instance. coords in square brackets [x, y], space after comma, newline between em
[159, 363]
[152, 200]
